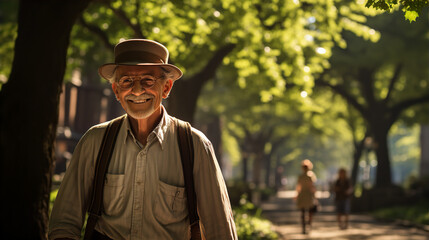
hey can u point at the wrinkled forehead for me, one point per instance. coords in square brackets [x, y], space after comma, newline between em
[138, 70]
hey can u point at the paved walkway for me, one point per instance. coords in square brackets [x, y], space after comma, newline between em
[282, 212]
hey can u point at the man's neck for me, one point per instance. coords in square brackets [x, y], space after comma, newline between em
[141, 128]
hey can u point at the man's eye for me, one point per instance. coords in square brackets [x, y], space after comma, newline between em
[149, 80]
[125, 81]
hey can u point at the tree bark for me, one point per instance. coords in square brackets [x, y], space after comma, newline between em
[356, 157]
[268, 170]
[378, 117]
[245, 161]
[29, 114]
[257, 145]
[384, 173]
[182, 101]
[257, 166]
[214, 134]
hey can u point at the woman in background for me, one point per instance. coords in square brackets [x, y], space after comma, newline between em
[306, 200]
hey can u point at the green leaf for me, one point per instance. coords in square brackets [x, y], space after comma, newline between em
[411, 15]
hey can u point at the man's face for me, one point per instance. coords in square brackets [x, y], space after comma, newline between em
[143, 99]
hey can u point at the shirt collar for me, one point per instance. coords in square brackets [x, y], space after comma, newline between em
[160, 131]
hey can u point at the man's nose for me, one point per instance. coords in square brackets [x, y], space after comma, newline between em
[138, 87]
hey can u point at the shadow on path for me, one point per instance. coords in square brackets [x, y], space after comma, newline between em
[282, 211]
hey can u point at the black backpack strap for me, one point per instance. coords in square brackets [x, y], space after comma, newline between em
[186, 147]
[103, 159]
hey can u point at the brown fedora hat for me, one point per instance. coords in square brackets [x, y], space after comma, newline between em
[139, 52]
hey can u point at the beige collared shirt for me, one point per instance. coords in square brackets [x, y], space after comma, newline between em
[144, 195]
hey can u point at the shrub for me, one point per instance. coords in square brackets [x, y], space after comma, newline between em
[415, 213]
[250, 225]
[236, 189]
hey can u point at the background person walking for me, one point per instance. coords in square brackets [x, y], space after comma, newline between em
[306, 200]
[343, 190]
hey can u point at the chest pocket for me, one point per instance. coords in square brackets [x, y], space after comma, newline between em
[170, 206]
[113, 195]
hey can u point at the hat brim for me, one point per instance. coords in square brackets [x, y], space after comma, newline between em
[107, 71]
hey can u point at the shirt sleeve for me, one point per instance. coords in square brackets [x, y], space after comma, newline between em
[69, 210]
[214, 208]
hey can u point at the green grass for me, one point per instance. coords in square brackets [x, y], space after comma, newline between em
[417, 213]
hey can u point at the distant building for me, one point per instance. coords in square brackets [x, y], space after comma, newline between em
[80, 108]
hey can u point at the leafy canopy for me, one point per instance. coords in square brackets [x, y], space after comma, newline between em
[411, 8]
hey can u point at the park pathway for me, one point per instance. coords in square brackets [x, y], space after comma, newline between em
[282, 212]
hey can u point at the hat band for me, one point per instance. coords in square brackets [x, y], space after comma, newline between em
[138, 57]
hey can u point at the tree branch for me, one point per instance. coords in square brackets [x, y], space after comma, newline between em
[397, 109]
[210, 68]
[365, 78]
[97, 31]
[393, 81]
[342, 92]
[137, 11]
[188, 90]
[123, 16]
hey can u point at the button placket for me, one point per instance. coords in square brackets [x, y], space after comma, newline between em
[138, 195]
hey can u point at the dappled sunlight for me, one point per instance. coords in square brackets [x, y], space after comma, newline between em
[292, 194]
[322, 230]
[282, 211]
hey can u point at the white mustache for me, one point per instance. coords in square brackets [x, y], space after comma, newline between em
[142, 97]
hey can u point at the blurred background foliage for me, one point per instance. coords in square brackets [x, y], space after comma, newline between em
[287, 78]
[265, 90]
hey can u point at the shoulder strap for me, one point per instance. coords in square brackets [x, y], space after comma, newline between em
[184, 137]
[103, 159]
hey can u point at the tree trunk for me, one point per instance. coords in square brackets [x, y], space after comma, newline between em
[214, 134]
[356, 157]
[384, 174]
[268, 170]
[29, 114]
[245, 161]
[257, 165]
[278, 175]
[182, 101]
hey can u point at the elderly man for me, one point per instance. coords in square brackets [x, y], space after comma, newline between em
[144, 188]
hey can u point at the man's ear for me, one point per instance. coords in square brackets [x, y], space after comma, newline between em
[115, 90]
[167, 88]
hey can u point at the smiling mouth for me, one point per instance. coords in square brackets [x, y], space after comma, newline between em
[139, 101]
